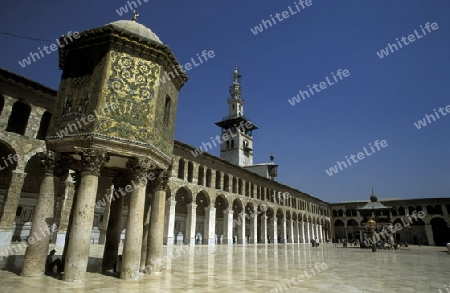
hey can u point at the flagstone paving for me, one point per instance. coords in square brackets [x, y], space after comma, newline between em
[260, 268]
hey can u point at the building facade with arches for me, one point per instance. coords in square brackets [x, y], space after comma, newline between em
[433, 228]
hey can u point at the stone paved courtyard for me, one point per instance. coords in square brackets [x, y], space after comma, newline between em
[260, 268]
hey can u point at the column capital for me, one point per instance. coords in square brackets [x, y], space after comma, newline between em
[62, 164]
[139, 168]
[92, 160]
[162, 178]
[48, 161]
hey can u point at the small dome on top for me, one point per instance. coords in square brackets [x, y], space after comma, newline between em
[136, 28]
[373, 197]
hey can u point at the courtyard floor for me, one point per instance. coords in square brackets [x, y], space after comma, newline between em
[259, 268]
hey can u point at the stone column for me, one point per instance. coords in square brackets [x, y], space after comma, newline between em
[155, 250]
[80, 233]
[34, 121]
[263, 228]
[228, 226]
[293, 235]
[429, 232]
[6, 113]
[107, 209]
[169, 237]
[111, 250]
[43, 216]
[10, 204]
[274, 224]
[145, 229]
[191, 217]
[283, 231]
[308, 236]
[302, 232]
[254, 228]
[241, 229]
[131, 256]
[321, 234]
[65, 208]
[210, 228]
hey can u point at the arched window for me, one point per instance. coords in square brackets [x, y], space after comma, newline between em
[208, 177]
[201, 175]
[2, 103]
[167, 111]
[181, 169]
[190, 171]
[217, 179]
[226, 182]
[43, 126]
[18, 120]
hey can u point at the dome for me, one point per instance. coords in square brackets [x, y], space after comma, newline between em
[373, 197]
[137, 29]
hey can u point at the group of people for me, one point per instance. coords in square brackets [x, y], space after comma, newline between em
[315, 243]
[54, 262]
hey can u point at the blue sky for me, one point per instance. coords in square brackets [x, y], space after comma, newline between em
[380, 100]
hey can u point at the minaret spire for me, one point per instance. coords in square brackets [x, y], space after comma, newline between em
[235, 88]
[237, 146]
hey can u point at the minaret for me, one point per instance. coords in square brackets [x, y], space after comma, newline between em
[237, 139]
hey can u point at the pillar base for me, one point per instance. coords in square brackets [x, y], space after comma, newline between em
[5, 237]
[227, 241]
[253, 241]
[169, 241]
[241, 241]
[190, 242]
[210, 242]
[263, 241]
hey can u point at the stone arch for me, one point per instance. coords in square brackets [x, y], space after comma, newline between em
[203, 201]
[183, 198]
[221, 204]
[441, 231]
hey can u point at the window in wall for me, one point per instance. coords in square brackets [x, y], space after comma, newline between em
[167, 111]
[43, 127]
[18, 120]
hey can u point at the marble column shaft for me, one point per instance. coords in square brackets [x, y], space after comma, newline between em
[169, 227]
[114, 230]
[254, 228]
[241, 229]
[43, 217]
[210, 226]
[77, 255]
[131, 256]
[191, 218]
[155, 250]
[263, 228]
[10, 204]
